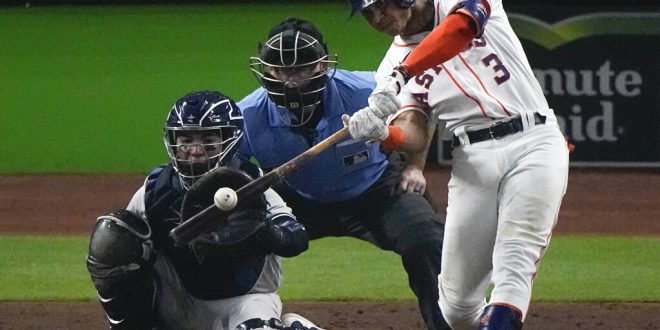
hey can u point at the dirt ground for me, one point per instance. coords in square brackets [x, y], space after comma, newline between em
[598, 201]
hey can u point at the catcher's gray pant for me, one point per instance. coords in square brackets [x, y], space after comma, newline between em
[176, 308]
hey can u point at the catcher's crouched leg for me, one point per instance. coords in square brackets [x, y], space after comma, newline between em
[119, 262]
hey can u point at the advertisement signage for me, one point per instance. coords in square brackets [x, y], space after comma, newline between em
[599, 72]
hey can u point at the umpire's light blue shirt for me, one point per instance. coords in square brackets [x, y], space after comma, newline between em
[339, 173]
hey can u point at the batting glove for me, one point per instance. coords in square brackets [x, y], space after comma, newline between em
[383, 103]
[383, 99]
[366, 125]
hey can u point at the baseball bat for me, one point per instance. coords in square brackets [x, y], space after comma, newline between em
[206, 219]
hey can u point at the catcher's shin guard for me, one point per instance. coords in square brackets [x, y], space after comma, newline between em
[500, 317]
[119, 263]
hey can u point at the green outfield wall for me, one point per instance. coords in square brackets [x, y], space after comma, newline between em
[85, 89]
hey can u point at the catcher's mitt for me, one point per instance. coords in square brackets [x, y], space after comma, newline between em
[231, 230]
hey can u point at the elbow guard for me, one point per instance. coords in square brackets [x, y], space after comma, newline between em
[478, 10]
[284, 236]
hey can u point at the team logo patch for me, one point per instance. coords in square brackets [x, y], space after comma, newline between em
[356, 158]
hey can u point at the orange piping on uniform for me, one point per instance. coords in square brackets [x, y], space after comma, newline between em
[483, 112]
[482, 85]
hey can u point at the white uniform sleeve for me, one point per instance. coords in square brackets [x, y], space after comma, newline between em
[136, 205]
[409, 103]
[388, 63]
[276, 205]
[478, 10]
[398, 51]
[446, 6]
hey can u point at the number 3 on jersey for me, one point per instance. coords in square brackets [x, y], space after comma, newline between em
[492, 59]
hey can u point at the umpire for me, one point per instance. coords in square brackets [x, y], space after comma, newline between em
[352, 189]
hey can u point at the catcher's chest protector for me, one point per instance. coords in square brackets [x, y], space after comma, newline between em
[206, 277]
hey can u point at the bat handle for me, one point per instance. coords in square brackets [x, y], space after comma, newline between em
[201, 222]
[195, 225]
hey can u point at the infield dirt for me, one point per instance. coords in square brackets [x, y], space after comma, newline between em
[597, 202]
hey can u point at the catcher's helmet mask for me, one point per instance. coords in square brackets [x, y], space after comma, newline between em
[359, 5]
[201, 133]
[293, 66]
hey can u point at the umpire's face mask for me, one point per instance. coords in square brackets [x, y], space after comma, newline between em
[298, 89]
[294, 68]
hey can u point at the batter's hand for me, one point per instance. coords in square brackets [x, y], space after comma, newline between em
[413, 180]
[384, 103]
[366, 125]
[383, 98]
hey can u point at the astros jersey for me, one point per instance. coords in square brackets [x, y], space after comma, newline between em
[488, 80]
[345, 170]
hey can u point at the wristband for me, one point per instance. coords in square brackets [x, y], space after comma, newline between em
[395, 139]
[404, 72]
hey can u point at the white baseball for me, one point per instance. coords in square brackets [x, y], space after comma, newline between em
[225, 199]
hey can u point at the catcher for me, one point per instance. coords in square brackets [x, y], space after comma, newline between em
[226, 279]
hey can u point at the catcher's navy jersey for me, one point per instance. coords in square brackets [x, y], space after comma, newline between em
[241, 269]
[343, 171]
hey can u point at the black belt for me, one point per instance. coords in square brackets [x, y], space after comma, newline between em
[497, 130]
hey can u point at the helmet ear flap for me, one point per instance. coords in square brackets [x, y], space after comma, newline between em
[260, 49]
[325, 47]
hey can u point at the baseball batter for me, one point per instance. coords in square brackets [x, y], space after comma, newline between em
[144, 280]
[510, 160]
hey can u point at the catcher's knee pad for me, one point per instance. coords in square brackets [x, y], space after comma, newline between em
[500, 317]
[119, 262]
[120, 243]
